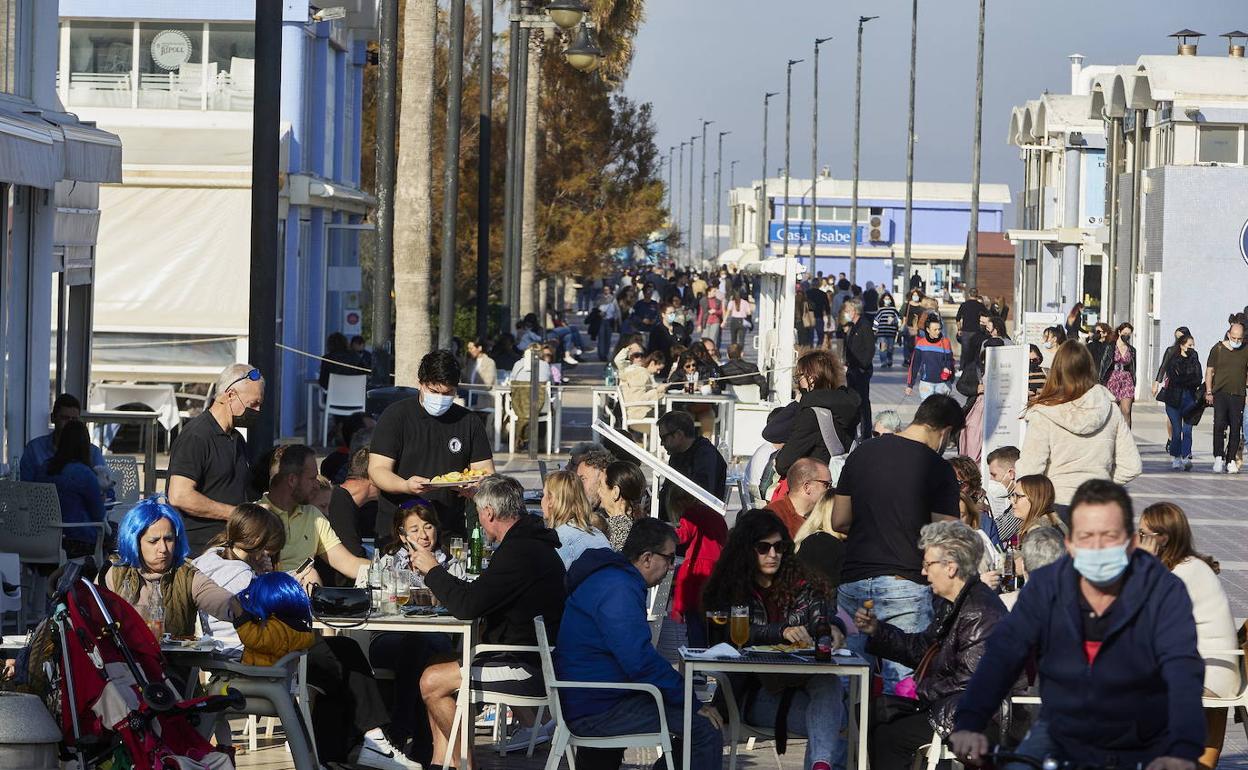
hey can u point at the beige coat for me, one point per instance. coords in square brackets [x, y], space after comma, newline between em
[1077, 441]
[637, 385]
[1215, 625]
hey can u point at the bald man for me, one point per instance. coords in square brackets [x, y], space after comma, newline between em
[809, 479]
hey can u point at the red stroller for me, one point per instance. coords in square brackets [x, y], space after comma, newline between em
[106, 686]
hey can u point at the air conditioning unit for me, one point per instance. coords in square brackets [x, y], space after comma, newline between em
[879, 228]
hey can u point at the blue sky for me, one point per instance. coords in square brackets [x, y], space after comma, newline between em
[714, 59]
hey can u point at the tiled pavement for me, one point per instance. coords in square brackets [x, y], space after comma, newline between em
[1215, 504]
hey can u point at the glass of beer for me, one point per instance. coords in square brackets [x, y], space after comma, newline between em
[402, 591]
[716, 627]
[739, 626]
[457, 549]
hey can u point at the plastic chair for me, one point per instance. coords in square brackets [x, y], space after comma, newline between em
[31, 526]
[1239, 702]
[737, 727]
[564, 740]
[652, 435]
[658, 607]
[501, 701]
[125, 472]
[934, 753]
[344, 397]
[746, 394]
[544, 417]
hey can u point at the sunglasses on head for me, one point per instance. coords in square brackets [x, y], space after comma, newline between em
[782, 548]
[253, 375]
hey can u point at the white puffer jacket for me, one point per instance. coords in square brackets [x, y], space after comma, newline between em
[1077, 441]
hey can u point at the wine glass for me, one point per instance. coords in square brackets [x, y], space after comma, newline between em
[739, 625]
[457, 549]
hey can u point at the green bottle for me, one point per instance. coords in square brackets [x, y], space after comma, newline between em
[476, 546]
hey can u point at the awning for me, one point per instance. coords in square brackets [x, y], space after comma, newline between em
[89, 154]
[28, 153]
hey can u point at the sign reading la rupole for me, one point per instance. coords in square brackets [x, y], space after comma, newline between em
[171, 48]
[1243, 242]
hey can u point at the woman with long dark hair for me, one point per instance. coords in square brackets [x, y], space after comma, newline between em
[787, 604]
[820, 378]
[1120, 375]
[1074, 322]
[1075, 431]
[623, 500]
[1183, 376]
[77, 488]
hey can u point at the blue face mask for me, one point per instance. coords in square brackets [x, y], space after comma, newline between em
[436, 404]
[1102, 566]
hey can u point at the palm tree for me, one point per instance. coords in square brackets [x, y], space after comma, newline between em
[413, 194]
[528, 222]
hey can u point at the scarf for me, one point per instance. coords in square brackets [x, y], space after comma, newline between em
[175, 590]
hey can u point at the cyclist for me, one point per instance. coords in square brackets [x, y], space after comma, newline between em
[1115, 646]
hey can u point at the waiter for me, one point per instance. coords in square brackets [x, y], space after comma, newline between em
[422, 437]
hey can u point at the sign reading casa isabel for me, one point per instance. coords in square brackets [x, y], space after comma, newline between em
[825, 234]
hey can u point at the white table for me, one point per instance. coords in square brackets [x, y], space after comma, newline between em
[444, 624]
[161, 399]
[723, 415]
[857, 669]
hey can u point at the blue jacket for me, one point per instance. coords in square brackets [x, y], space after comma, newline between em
[929, 360]
[604, 636]
[1139, 700]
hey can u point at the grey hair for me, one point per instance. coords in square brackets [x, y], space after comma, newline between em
[959, 542]
[228, 377]
[503, 494]
[889, 419]
[855, 303]
[1042, 546]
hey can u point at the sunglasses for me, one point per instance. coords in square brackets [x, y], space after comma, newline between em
[253, 375]
[670, 558]
[782, 548]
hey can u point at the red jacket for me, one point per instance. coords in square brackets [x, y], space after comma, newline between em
[702, 534]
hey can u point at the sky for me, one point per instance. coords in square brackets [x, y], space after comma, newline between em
[714, 59]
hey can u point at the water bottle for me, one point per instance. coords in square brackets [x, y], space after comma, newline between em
[374, 579]
[610, 377]
[156, 612]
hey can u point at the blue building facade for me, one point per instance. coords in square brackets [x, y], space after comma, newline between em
[175, 80]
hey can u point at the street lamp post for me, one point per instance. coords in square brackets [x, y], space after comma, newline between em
[914, 52]
[788, 125]
[853, 236]
[732, 174]
[762, 198]
[702, 204]
[971, 279]
[689, 213]
[719, 185]
[671, 158]
[814, 158]
[680, 187]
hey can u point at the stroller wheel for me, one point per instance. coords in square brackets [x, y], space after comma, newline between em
[158, 696]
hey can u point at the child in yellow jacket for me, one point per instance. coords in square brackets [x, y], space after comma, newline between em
[276, 619]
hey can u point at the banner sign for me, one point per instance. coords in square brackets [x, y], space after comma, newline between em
[798, 233]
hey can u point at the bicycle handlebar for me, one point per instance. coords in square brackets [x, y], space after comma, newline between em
[998, 758]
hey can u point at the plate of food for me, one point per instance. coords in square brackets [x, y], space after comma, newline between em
[189, 643]
[795, 649]
[462, 478]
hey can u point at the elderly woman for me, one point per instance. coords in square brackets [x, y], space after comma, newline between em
[151, 571]
[945, 654]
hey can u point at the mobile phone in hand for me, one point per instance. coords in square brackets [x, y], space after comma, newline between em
[306, 563]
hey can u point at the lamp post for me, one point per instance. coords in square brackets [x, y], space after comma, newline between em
[671, 158]
[914, 53]
[702, 204]
[971, 279]
[689, 214]
[814, 158]
[853, 236]
[732, 174]
[680, 187]
[788, 125]
[719, 185]
[383, 268]
[762, 198]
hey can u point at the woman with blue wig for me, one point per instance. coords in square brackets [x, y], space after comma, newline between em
[152, 550]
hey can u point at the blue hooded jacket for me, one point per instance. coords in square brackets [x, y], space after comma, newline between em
[605, 637]
[1139, 699]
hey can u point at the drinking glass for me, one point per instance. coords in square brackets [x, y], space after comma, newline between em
[403, 588]
[739, 626]
[457, 549]
[716, 626]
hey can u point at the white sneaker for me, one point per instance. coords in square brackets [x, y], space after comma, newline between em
[569, 359]
[1218, 466]
[1187, 464]
[519, 740]
[1232, 467]
[1176, 463]
[378, 753]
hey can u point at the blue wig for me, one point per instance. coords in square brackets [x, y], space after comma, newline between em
[144, 514]
[277, 593]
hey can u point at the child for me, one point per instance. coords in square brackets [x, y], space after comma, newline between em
[276, 619]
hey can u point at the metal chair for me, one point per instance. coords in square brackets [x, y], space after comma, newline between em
[564, 740]
[344, 397]
[501, 701]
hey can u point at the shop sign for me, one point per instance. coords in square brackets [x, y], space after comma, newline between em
[825, 235]
[171, 48]
[1243, 242]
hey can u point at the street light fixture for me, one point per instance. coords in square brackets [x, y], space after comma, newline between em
[788, 124]
[853, 238]
[762, 202]
[566, 14]
[584, 54]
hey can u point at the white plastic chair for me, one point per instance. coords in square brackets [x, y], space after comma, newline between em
[659, 605]
[737, 726]
[934, 753]
[502, 700]
[544, 417]
[1239, 702]
[652, 435]
[31, 526]
[124, 470]
[564, 740]
[344, 397]
[746, 394]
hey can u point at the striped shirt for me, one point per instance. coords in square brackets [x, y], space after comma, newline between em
[887, 321]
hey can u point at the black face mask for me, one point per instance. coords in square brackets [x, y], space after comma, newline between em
[248, 418]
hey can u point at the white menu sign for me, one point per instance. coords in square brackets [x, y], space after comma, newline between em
[1005, 396]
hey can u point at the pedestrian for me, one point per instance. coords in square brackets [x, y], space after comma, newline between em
[701, 533]
[740, 312]
[1052, 337]
[1160, 377]
[1074, 431]
[1100, 345]
[817, 301]
[859, 351]
[425, 436]
[1075, 322]
[1226, 369]
[711, 315]
[931, 365]
[691, 454]
[887, 322]
[209, 472]
[1120, 378]
[969, 314]
[803, 319]
[37, 452]
[1109, 632]
[1183, 378]
[889, 489]
[77, 489]
[827, 416]
[736, 371]
[1036, 376]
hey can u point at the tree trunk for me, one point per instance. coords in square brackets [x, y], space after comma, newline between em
[413, 195]
[528, 224]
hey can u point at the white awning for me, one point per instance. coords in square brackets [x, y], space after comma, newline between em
[89, 154]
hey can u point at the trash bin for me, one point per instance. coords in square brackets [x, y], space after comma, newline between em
[28, 734]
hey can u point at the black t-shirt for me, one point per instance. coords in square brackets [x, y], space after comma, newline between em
[969, 314]
[217, 462]
[896, 484]
[424, 445]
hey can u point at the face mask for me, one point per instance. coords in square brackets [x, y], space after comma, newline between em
[1234, 344]
[671, 318]
[996, 489]
[1125, 337]
[1101, 566]
[248, 418]
[436, 404]
[1048, 345]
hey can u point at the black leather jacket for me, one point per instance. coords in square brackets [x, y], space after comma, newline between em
[959, 629]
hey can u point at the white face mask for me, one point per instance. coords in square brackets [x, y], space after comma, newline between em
[1048, 344]
[436, 404]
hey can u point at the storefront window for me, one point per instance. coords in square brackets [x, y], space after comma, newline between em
[1219, 144]
[171, 69]
[232, 55]
[101, 63]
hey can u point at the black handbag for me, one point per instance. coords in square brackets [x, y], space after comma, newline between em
[329, 603]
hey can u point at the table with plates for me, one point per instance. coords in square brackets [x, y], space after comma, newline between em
[852, 666]
[723, 413]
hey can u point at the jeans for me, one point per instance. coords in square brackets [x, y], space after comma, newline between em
[736, 331]
[604, 341]
[711, 332]
[816, 713]
[1228, 415]
[818, 329]
[886, 350]
[931, 388]
[899, 602]
[637, 714]
[859, 381]
[565, 334]
[1180, 429]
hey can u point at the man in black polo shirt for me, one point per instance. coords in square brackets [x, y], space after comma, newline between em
[691, 454]
[208, 469]
[419, 438]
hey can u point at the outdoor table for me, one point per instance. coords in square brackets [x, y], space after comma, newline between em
[446, 624]
[857, 669]
[723, 415]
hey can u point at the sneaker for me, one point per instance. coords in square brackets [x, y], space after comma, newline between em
[1232, 467]
[569, 359]
[1187, 464]
[1176, 463]
[519, 740]
[378, 753]
[1218, 466]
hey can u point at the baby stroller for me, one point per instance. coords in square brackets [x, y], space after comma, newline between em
[102, 676]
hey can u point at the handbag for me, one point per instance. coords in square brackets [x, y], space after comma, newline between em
[329, 602]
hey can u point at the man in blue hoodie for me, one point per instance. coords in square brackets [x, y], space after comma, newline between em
[605, 637]
[1115, 647]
